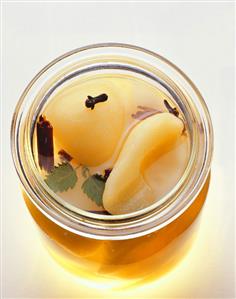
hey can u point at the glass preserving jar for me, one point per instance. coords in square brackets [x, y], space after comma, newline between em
[137, 247]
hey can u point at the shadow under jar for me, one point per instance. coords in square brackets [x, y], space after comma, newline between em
[134, 247]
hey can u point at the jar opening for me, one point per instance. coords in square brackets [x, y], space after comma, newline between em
[107, 59]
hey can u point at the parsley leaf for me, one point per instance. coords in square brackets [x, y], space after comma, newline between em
[62, 177]
[85, 171]
[93, 187]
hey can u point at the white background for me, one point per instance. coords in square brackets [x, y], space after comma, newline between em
[199, 38]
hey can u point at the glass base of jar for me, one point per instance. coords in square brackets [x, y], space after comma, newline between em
[121, 263]
[123, 276]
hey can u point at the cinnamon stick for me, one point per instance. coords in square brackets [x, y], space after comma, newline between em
[45, 144]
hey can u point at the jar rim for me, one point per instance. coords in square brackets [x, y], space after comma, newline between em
[103, 226]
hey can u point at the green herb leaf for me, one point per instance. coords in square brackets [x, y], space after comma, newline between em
[85, 171]
[93, 187]
[62, 178]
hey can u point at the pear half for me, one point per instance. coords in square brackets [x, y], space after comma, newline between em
[89, 136]
[126, 190]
